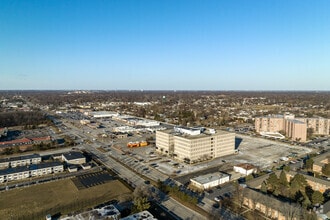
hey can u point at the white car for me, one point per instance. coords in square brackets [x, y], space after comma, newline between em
[218, 198]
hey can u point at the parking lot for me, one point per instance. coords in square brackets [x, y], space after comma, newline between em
[91, 179]
[263, 152]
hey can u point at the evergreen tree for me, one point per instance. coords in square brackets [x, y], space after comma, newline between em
[140, 204]
[309, 164]
[299, 181]
[286, 168]
[326, 169]
[317, 197]
[294, 189]
[306, 202]
[263, 187]
[272, 182]
[283, 180]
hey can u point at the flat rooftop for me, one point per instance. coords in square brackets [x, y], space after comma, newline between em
[201, 135]
[72, 155]
[24, 157]
[209, 177]
[271, 116]
[296, 121]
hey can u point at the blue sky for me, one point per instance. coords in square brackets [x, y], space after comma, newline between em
[156, 45]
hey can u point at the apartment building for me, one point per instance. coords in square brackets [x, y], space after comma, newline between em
[46, 168]
[320, 161]
[272, 123]
[320, 126]
[23, 172]
[192, 145]
[294, 128]
[270, 206]
[315, 183]
[20, 161]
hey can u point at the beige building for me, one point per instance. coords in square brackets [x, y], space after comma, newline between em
[24, 172]
[20, 161]
[195, 144]
[320, 126]
[270, 206]
[245, 169]
[272, 123]
[294, 128]
[74, 157]
[320, 161]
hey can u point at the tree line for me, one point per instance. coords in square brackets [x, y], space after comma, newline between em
[20, 118]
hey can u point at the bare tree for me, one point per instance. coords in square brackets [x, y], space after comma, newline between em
[291, 211]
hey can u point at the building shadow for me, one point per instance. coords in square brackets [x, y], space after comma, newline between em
[237, 142]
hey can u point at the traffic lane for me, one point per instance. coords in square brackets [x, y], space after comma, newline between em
[182, 211]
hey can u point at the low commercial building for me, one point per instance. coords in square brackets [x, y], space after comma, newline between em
[210, 180]
[20, 161]
[72, 168]
[24, 143]
[103, 114]
[74, 157]
[193, 145]
[245, 168]
[86, 166]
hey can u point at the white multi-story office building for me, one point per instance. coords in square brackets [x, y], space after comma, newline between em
[195, 144]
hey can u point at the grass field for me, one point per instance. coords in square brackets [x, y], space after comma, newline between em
[59, 196]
